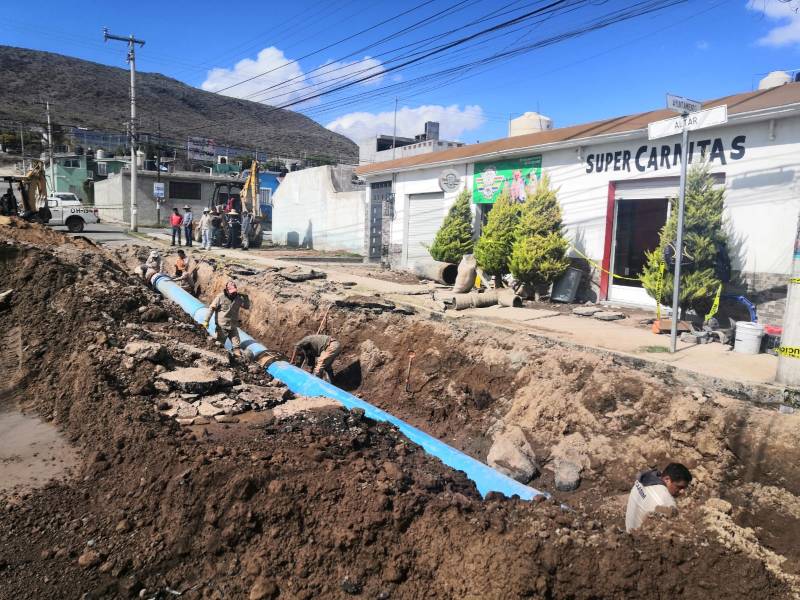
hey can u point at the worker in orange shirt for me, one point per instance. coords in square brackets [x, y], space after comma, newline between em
[175, 220]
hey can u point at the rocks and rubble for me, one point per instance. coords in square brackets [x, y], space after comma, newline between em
[197, 380]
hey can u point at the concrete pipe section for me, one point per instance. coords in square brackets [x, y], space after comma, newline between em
[300, 382]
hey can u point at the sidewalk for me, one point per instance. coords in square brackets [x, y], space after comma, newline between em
[713, 361]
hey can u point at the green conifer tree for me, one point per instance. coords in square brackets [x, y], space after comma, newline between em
[454, 238]
[494, 246]
[538, 255]
[706, 263]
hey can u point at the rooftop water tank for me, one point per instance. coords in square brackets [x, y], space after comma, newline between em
[774, 79]
[100, 153]
[530, 122]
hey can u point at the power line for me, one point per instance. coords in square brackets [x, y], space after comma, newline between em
[331, 45]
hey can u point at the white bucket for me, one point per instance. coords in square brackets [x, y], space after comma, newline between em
[748, 337]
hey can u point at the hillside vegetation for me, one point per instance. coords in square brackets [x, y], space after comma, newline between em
[95, 96]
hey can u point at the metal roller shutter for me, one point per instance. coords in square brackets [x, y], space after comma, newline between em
[425, 215]
[657, 187]
[654, 187]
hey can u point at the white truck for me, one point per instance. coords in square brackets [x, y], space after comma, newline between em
[66, 209]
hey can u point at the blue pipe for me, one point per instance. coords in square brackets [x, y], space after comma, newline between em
[302, 383]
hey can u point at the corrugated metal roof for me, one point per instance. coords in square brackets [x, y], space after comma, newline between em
[737, 103]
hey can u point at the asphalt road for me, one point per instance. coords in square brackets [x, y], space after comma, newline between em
[106, 234]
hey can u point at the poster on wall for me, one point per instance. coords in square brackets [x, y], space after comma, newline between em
[518, 175]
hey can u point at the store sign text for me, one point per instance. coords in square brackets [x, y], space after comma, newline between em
[664, 156]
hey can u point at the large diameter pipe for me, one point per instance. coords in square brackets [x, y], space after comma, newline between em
[486, 479]
[441, 272]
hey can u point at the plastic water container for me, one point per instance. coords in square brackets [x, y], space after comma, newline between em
[565, 288]
[748, 337]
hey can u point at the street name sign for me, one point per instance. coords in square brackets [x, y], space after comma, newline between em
[693, 121]
[683, 105]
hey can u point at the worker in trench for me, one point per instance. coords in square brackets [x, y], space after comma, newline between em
[319, 352]
[185, 274]
[152, 266]
[226, 306]
[655, 491]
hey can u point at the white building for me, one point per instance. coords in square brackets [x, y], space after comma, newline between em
[614, 185]
[321, 208]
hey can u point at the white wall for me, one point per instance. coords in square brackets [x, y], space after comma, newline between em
[419, 182]
[762, 190]
[308, 211]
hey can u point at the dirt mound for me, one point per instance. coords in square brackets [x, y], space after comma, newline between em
[323, 504]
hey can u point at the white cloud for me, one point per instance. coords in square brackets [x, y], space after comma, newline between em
[277, 80]
[788, 16]
[453, 121]
[703, 45]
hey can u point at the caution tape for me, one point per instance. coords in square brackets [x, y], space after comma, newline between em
[789, 351]
[715, 306]
[599, 268]
[661, 268]
[795, 280]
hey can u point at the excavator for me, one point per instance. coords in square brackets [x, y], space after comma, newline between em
[32, 190]
[238, 196]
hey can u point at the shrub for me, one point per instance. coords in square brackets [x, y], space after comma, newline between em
[454, 238]
[706, 263]
[497, 238]
[538, 255]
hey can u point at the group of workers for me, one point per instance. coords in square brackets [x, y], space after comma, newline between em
[211, 233]
[316, 351]
[653, 491]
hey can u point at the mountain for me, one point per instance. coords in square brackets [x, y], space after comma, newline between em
[95, 96]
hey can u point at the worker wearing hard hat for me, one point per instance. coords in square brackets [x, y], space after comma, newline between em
[655, 491]
[226, 308]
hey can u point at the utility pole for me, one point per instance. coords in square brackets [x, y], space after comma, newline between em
[789, 352]
[22, 145]
[50, 147]
[676, 286]
[131, 41]
[394, 135]
[158, 171]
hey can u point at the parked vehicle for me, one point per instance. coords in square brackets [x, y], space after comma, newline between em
[69, 212]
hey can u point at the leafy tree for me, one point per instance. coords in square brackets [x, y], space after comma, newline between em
[705, 264]
[454, 238]
[497, 239]
[538, 255]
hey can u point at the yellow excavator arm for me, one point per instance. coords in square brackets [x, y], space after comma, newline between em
[250, 192]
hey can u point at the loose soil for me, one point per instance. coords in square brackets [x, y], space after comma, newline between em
[325, 503]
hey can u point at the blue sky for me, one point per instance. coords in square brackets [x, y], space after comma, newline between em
[701, 49]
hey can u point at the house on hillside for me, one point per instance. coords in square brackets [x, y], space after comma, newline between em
[77, 173]
[614, 187]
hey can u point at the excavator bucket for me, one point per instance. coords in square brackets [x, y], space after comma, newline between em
[33, 189]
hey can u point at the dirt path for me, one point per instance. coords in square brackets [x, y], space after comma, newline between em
[324, 503]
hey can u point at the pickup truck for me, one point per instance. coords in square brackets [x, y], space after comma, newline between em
[66, 209]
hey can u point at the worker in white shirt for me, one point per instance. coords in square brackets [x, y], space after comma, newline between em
[655, 490]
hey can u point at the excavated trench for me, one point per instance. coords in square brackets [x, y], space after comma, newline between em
[467, 386]
[333, 505]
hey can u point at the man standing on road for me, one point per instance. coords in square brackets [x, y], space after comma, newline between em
[188, 219]
[205, 229]
[234, 230]
[226, 308]
[655, 491]
[319, 351]
[175, 221]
